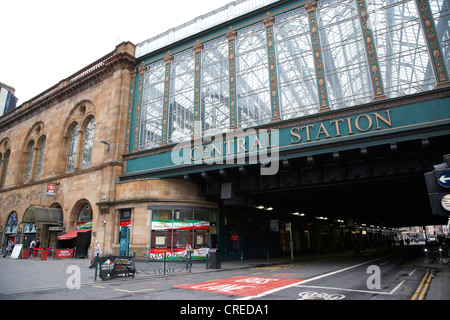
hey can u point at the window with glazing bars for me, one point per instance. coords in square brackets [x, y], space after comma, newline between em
[295, 65]
[72, 150]
[87, 146]
[252, 77]
[40, 158]
[401, 47]
[150, 126]
[181, 97]
[30, 151]
[215, 97]
[343, 53]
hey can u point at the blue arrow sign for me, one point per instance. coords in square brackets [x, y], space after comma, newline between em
[444, 179]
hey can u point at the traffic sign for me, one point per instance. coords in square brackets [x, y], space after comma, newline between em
[444, 179]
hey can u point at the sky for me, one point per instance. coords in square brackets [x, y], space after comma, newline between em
[45, 41]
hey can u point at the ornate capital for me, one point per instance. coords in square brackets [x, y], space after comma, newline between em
[311, 7]
[231, 35]
[268, 22]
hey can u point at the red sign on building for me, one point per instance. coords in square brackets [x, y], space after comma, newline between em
[51, 190]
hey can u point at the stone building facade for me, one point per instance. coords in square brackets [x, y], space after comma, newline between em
[60, 155]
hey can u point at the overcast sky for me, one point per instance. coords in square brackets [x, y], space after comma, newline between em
[46, 41]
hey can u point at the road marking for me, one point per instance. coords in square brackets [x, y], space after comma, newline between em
[423, 286]
[309, 280]
[240, 286]
[134, 291]
[357, 290]
[343, 289]
[397, 287]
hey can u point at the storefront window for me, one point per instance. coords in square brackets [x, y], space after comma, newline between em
[124, 231]
[84, 220]
[173, 229]
[11, 227]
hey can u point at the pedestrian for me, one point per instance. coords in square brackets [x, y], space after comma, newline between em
[97, 252]
[188, 249]
[9, 248]
[32, 246]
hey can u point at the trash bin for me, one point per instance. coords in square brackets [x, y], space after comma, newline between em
[214, 258]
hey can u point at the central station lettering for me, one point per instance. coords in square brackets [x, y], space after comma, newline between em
[339, 127]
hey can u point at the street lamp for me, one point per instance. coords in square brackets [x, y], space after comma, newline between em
[107, 144]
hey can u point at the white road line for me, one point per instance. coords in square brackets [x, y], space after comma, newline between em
[308, 280]
[412, 272]
[343, 289]
[398, 286]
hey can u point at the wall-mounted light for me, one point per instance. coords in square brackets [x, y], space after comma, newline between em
[107, 144]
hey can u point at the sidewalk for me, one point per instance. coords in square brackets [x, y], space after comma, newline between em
[31, 274]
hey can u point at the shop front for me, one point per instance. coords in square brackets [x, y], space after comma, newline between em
[43, 223]
[75, 243]
[11, 229]
[172, 229]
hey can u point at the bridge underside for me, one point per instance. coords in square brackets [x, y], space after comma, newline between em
[379, 185]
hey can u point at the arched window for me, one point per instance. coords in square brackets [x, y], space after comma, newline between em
[30, 157]
[87, 146]
[41, 149]
[4, 167]
[11, 224]
[73, 144]
[84, 218]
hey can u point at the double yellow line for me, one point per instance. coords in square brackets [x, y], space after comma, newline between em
[423, 286]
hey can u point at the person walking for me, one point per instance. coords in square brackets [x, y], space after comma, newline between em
[32, 246]
[9, 248]
[97, 252]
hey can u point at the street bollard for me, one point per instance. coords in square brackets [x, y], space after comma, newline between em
[96, 264]
[164, 272]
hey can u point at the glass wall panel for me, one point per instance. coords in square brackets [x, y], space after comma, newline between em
[173, 228]
[215, 97]
[252, 77]
[181, 97]
[150, 126]
[401, 47]
[343, 53]
[295, 65]
[441, 16]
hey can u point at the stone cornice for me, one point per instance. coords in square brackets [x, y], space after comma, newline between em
[82, 80]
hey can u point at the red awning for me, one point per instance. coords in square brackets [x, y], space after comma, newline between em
[72, 234]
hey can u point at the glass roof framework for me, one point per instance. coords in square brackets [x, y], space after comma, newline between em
[402, 56]
[402, 50]
[441, 14]
[296, 73]
[152, 106]
[344, 57]
[215, 97]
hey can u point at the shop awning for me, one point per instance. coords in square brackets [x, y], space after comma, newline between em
[42, 215]
[72, 234]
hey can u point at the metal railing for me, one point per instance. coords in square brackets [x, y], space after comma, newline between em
[162, 264]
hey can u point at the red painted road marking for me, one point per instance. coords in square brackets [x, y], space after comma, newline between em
[240, 286]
